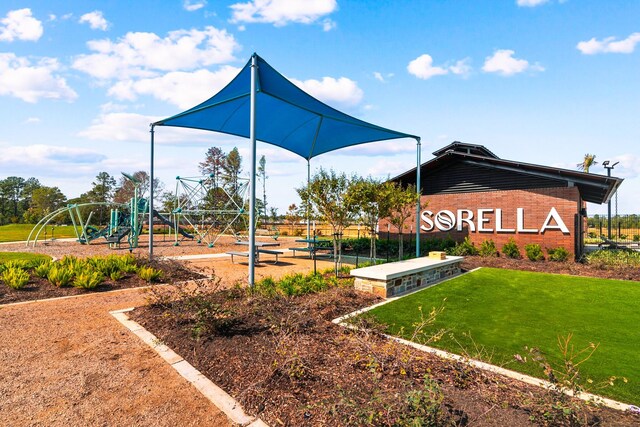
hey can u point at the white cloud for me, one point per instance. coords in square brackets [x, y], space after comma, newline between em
[628, 168]
[382, 77]
[21, 79]
[382, 148]
[140, 54]
[132, 127]
[342, 91]
[282, 12]
[461, 67]
[20, 25]
[531, 3]
[182, 89]
[609, 45]
[95, 20]
[503, 63]
[193, 5]
[422, 67]
[328, 25]
[386, 168]
[40, 154]
[31, 120]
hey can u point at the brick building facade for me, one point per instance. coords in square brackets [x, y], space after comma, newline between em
[469, 191]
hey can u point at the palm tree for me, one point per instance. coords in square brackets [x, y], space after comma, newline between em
[589, 160]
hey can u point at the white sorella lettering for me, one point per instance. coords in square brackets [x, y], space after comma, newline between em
[425, 215]
[482, 220]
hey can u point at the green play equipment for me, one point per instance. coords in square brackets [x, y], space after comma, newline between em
[125, 220]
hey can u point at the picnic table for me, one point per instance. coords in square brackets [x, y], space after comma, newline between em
[259, 250]
[313, 246]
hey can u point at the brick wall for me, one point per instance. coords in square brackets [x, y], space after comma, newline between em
[536, 204]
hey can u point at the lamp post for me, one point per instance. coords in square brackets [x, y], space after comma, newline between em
[608, 168]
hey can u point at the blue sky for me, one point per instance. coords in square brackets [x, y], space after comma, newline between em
[537, 81]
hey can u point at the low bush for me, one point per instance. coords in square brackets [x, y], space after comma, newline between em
[511, 249]
[88, 279]
[636, 237]
[15, 277]
[464, 248]
[149, 274]
[559, 254]
[534, 252]
[60, 276]
[488, 249]
[293, 285]
[613, 258]
[43, 269]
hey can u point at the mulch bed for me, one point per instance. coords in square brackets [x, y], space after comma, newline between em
[569, 267]
[39, 288]
[284, 361]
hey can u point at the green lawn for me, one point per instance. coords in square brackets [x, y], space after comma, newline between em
[20, 232]
[506, 310]
[11, 256]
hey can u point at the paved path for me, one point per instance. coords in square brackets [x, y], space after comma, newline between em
[70, 363]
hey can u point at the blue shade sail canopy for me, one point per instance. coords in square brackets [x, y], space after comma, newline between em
[286, 116]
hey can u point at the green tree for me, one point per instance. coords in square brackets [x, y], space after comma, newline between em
[102, 191]
[326, 194]
[232, 167]
[262, 173]
[126, 188]
[44, 200]
[402, 203]
[213, 164]
[588, 161]
[12, 191]
[371, 200]
[292, 216]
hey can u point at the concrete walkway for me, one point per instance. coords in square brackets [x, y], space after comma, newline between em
[70, 363]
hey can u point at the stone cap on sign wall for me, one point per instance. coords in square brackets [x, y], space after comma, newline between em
[396, 269]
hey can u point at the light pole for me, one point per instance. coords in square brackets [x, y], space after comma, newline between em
[608, 168]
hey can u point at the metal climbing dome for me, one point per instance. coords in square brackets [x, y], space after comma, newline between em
[211, 206]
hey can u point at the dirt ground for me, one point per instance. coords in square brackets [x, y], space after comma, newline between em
[69, 362]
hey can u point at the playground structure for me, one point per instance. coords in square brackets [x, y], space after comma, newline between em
[205, 208]
[211, 206]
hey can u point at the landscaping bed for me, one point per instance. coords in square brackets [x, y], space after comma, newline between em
[569, 267]
[284, 361]
[40, 287]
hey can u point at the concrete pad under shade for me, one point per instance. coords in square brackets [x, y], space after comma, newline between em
[392, 270]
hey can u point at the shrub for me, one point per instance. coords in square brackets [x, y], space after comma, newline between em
[88, 279]
[488, 249]
[534, 252]
[43, 269]
[17, 263]
[15, 278]
[511, 250]
[60, 276]
[116, 275]
[636, 237]
[612, 258]
[465, 248]
[149, 274]
[559, 254]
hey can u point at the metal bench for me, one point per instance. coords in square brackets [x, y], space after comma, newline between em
[311, 251]
[258, 252]
[268, 251]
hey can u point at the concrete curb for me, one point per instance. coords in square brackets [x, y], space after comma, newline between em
[587, 397]
[205, 386]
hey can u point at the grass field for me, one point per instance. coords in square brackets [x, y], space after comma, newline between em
[20, 232]
[502, 311]
[22, 256]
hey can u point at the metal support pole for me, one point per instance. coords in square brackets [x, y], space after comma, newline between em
[252, 200]
[151, 174]
[419, 191]
[307, 204]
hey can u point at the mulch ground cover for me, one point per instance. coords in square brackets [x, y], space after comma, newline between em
[569, 267]
[40, 288]
[284, 361]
